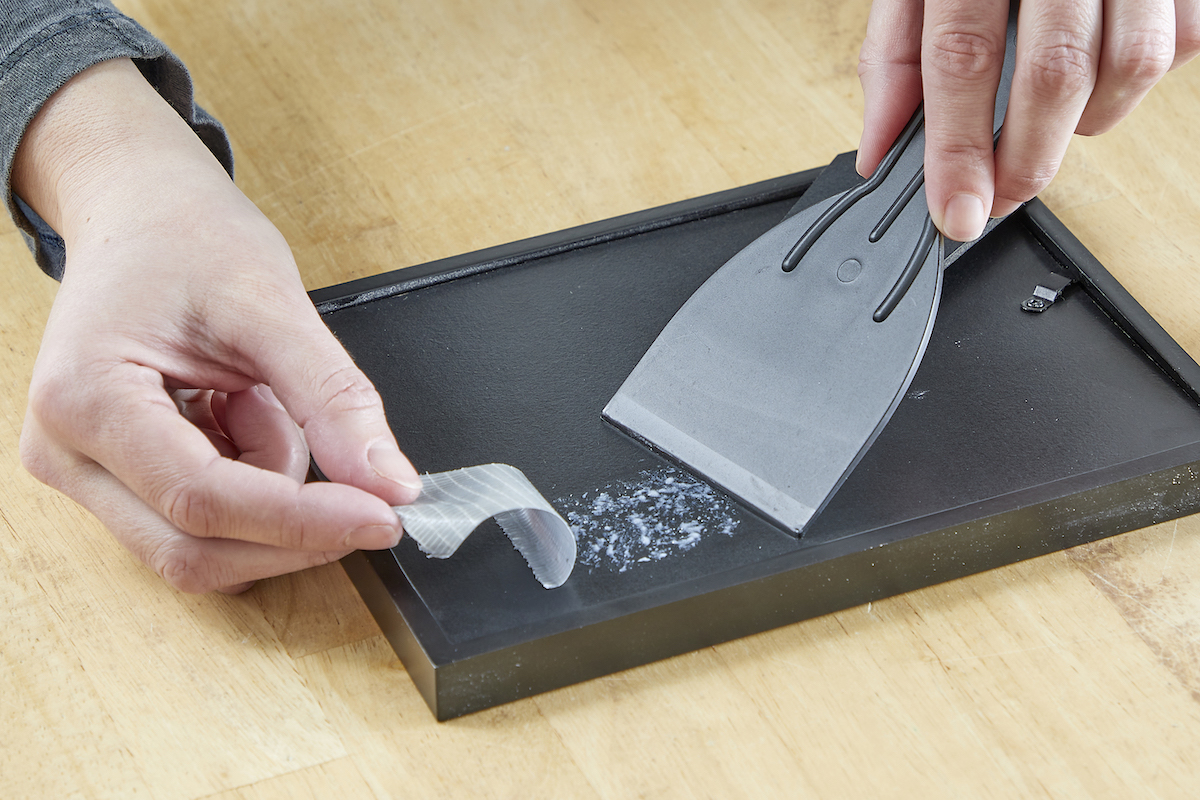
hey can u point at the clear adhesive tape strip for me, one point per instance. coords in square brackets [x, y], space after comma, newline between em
[452, 504]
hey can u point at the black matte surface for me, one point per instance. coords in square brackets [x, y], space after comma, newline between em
[1021, 433]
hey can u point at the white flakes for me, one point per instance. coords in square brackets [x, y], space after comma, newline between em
[663, 513]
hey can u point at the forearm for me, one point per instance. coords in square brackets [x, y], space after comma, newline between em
[106, 140]
[43, 45]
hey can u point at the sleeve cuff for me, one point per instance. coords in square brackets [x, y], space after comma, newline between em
[49, 58]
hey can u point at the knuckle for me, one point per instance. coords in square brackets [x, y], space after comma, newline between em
[964, 153]
[204, 514]
[1062, 65]
[1143, 57]
[187, 567]
[961, 150]
[964, 54]
[870, 57]
[1026, 184]
[190, 508]
[347, 389]
[35, 458]
[292, 534]
[48, 396]
[866, 63]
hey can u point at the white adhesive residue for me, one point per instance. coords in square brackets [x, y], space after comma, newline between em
[664, 513]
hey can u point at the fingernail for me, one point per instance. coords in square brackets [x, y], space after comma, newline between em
[390, 465]
[965, 217]
[373, 537]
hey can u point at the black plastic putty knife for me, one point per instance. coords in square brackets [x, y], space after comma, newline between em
[779, 372]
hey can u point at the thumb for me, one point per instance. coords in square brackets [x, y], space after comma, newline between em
[339, 410]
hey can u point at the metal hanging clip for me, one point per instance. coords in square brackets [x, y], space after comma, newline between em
[1048, 290]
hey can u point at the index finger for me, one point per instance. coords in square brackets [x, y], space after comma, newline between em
[962, 56]
[173, 467]
[339, 409]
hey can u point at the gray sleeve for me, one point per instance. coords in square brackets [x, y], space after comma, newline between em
[43, 44]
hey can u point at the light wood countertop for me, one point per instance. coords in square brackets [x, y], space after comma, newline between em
[380, 134]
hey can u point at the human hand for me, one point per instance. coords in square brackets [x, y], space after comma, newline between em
[1082, 66]
[179, 307]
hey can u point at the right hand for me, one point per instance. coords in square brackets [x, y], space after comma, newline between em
[1082, 66]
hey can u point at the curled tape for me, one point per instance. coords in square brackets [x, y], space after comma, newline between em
[452, 504]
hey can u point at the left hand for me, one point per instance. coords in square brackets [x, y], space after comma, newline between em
[182, 357]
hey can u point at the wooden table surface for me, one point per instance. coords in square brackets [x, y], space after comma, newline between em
[381, 134]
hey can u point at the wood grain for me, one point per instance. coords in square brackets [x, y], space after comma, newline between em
[378, 135]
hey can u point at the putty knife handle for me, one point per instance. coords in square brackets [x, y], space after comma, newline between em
[906, 138]
[897, 156]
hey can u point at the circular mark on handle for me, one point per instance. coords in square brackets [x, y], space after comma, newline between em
[849, 270]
